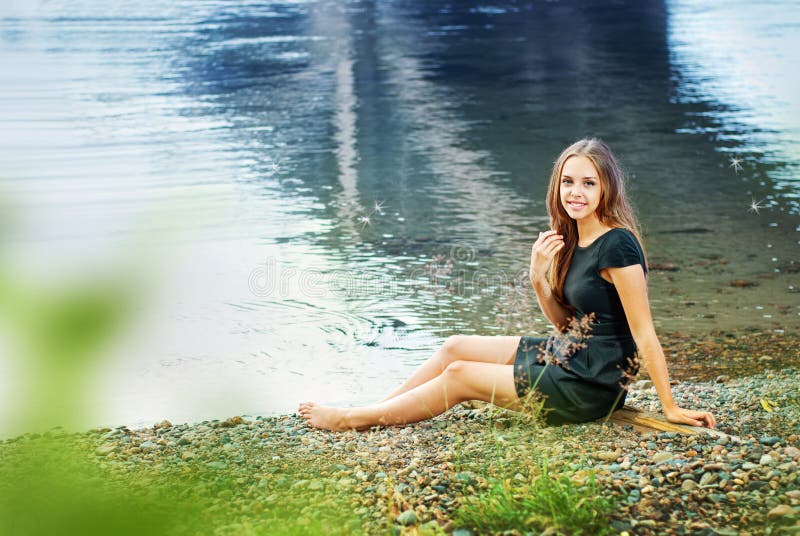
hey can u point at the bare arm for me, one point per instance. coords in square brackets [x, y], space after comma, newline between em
[632, 288]
[542, 253]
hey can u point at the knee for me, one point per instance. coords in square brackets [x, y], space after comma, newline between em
[452, 347]
[455, 369]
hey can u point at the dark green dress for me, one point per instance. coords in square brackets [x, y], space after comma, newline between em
[587, 381]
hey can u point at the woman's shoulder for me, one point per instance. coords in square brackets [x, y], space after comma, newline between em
[621, 234]
[621, 247]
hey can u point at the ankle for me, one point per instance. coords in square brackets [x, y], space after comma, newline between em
[347, 420]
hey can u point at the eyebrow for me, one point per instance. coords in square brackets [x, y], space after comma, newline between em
[568, 177]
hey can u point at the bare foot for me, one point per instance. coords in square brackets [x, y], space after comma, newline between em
[324, 417]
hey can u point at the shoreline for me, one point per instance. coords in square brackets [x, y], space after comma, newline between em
[253, 475]
[719, 355]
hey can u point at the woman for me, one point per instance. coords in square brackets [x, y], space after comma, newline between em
[590, 266]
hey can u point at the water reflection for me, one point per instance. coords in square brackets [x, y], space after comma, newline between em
[352, 149]
[345, 103]
[736, 60]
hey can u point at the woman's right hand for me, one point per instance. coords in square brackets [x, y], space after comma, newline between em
[542, 253]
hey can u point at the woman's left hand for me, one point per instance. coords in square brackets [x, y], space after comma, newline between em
[679, 415]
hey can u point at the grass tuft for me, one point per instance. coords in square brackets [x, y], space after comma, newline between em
[550, 501]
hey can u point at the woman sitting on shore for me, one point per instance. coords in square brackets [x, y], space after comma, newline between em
[589, 268]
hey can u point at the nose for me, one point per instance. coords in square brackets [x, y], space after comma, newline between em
[577, 191]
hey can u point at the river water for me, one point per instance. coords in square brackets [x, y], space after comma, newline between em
[318, 193]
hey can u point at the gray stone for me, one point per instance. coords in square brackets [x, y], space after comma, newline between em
[661, 457]
[708, 478]
[782, 511]
[466, 478]
[409, 517]
[717, 497]
[688, 485]
[607, 455]
[105, 450]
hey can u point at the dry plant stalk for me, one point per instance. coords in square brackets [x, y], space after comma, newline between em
[628, 375]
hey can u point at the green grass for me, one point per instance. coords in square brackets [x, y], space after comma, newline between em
[57, 486]
[550, 501]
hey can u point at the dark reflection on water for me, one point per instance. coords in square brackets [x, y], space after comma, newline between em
[389, 161]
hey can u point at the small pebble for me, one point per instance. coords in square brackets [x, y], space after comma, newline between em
[409, 517]
[781, 511]
[688, 485]
[661, 457]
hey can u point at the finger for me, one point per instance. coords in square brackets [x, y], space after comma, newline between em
[550, 240]
[704, 418]
[699, 421]
[552, 247]
[710, 421]
[543, 236]
[687, 418]
[549, 235]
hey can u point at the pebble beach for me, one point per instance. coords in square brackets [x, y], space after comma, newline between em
[274, 475]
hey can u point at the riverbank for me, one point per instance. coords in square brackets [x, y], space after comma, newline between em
[467, 471]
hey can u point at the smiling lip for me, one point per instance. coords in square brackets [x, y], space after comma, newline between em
[576, 205]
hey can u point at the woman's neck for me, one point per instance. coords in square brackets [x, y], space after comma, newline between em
[589, 230]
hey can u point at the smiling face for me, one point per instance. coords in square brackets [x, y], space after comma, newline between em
[580, 189]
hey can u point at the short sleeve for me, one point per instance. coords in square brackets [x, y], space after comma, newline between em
[620, 249]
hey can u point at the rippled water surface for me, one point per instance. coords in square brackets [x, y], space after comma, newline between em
[319, 192]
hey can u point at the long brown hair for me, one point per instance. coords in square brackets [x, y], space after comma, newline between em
[613, 210]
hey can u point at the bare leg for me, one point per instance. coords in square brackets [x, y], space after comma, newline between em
[460, 381]
[498, 350]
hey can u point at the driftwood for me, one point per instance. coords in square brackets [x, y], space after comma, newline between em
[644, 421]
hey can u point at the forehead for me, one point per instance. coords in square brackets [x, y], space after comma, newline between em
[579, 166]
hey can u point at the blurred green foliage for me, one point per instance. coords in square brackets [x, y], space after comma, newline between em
[60, 334]
[51, 485]
[56, 483]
